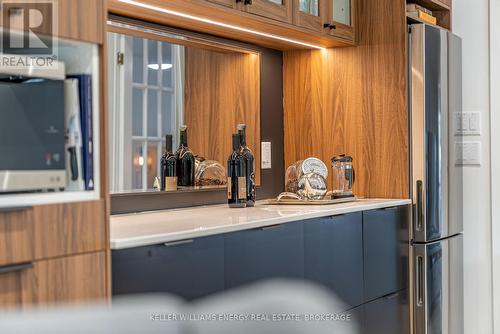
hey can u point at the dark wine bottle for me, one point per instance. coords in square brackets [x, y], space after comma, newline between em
[236, 181]
[249, 165]
[185, 161]
[168, 167]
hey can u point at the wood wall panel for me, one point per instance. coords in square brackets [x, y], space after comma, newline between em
[354, 101]
[221, 90]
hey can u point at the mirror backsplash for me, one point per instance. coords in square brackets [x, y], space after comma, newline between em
[156, 87]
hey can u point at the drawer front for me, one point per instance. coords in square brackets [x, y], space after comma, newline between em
[190, 268]
[11, 285]
[385, 238]
[66, 229]
[273, 252]
[334, 255]
[17, 236]
[388, 315]
[64, 280]
[72, 279]
[51, 230]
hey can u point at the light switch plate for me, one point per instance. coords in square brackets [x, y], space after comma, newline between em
[266, 156]
[468, 153]
[467, 123]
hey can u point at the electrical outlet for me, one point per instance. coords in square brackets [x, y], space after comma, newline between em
[266, 156]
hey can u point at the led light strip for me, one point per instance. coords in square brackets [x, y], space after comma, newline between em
[220, 24]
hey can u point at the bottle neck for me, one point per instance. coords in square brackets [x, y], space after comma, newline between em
[184, 138]
[236, 142]
[243, 139]
[168, 144]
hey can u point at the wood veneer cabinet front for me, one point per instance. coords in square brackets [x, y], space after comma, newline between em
[81, 20]
[280, 10]
[52, 230]
[265, 16]
[68, 279]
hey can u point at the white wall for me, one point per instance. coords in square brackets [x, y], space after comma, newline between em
[471, 22]
[495, 155]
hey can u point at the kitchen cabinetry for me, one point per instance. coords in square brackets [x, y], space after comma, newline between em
[387, 315]
[280, 10]
[77, 20]
[310, 14]
[270, 252]
[385, 238]
[334, 255]
[361, 257]
[52, 254]
[188, 268]
[340, 18]
[227, 3]
[71, 279]
[279, 24]
[46, 231]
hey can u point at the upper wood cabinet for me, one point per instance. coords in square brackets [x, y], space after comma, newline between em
[299, 23]
[310, 14]
[280, 10]
[340, 18]
[81, 20]
[227, 3]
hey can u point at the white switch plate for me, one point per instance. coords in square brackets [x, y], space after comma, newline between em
[467, 123]
[265, 155]
[468, 153]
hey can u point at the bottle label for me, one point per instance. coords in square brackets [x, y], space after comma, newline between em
[170, 183]
[229, 193]
[242, 187]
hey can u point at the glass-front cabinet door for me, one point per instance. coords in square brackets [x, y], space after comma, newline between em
[227, 3]
[310, 14]
[280, 10]
[341, 18]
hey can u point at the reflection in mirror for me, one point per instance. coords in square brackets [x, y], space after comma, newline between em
[156, 87]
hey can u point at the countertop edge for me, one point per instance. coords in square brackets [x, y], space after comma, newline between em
[133, 242]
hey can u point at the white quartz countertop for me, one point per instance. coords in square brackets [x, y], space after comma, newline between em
[149, 228]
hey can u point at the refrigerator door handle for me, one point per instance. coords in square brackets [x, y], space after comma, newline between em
[419, 207]
[420, 281]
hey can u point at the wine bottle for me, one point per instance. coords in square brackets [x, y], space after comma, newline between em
[236, 181]
[168, 167]
[185, 161]
[249, 165]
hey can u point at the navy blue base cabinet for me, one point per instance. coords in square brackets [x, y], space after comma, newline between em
[361, 257]
[388, 315]
[190, 268]
[334, 255]
[385, 248]
[270, 252]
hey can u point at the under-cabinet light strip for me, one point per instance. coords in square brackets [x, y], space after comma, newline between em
[217, 23]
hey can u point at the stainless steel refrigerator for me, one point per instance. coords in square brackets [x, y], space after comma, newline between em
[436, 247]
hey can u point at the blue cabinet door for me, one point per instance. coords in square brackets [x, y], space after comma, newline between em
[385, 236]
[334, 255]
[190, 268]
[273, 252]
[388, 315]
